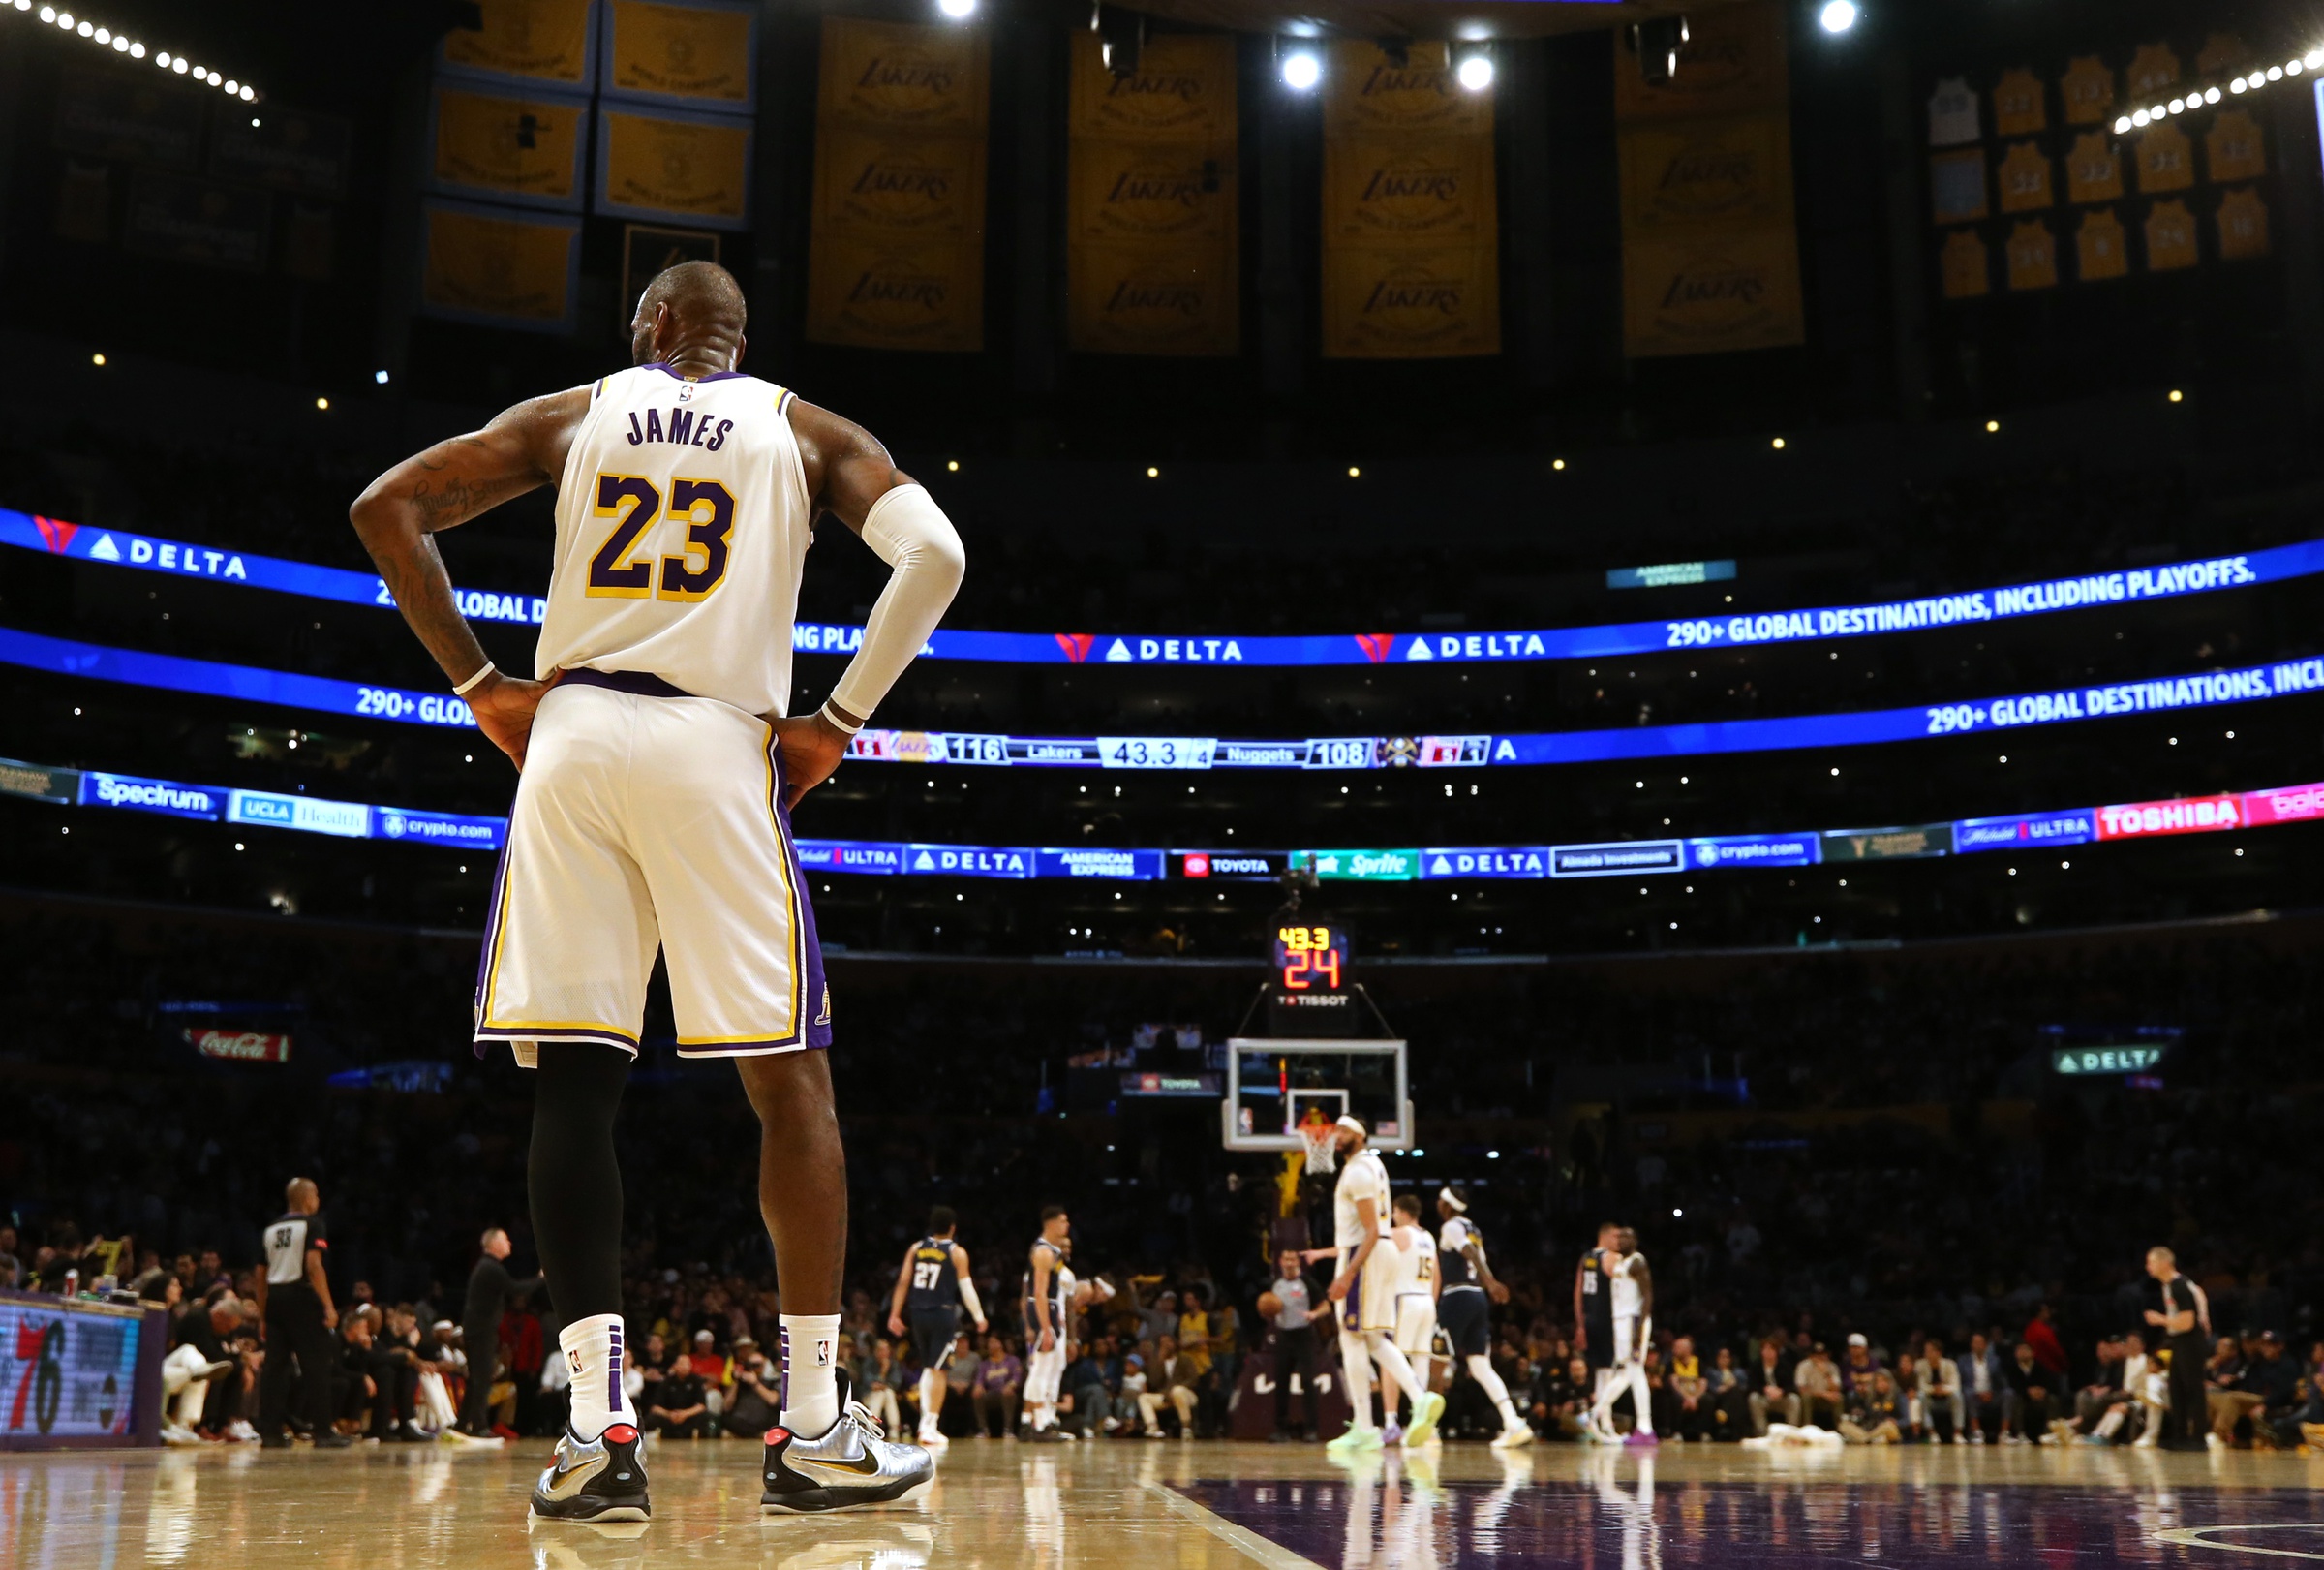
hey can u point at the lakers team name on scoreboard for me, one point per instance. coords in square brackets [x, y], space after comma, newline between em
[1171, 752]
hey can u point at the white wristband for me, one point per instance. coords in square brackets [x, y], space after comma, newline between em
[469, 686]
[832, 719]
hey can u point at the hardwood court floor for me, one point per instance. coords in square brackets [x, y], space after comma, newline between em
[1172, 1506]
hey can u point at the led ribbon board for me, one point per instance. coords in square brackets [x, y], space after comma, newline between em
[82, 542]
[2252, 684]
[1621, 859]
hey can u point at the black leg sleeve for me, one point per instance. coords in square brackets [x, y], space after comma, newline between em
[575, 1178]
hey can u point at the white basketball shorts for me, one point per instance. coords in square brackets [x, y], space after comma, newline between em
[1371, 1302]
[647, 819]
[1415, 1323]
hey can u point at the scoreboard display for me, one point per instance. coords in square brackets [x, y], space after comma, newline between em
[1311, 958]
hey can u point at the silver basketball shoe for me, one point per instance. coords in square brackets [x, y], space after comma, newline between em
[600, 1479]
[848, 1466]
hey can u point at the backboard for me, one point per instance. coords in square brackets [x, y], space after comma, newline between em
[1274, 1083]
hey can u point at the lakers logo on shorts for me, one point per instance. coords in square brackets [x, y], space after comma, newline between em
[824, 1018]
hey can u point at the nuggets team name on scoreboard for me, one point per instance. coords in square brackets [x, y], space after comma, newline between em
[1171, 752]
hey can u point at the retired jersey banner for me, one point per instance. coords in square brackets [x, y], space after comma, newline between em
[1153, 264]
[670, 164]
[544, 40]
[500, 267]
[1710, 249]
[1411, 225]
[503, 145]
[896, 258]
[701, 53]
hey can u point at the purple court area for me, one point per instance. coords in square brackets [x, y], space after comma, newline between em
[1621, 1523]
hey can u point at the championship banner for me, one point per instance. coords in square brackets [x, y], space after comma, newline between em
[1151, 220]
[141, 120]
[1710, 249]
[288, 149]
[523, 148]
[181, 219]
[499, 267]
[702, 53]
[897, 249]
[670, 164]
[544, 40]
[1411, 225]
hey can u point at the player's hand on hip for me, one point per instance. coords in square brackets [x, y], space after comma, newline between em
[505, 706]
[811, 749]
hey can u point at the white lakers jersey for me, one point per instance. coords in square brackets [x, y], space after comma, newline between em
[1415, 1260]
[1628, 1298]
[682, 530]
[1364, 1177]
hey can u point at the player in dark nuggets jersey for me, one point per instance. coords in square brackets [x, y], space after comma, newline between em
[930, 1289]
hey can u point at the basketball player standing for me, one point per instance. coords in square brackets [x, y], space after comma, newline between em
[933, 1287]
[659, 774]
[1048, 1289]
[1417, 1282]
[1461, 1308]
[1594, 1308]
[1363, 1287]
[1630, 1287]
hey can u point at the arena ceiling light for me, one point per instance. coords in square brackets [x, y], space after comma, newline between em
[1837, 15]
[1302, 70]
[2250, 81]
[957, 10]
[1473, 66]
[105, 38]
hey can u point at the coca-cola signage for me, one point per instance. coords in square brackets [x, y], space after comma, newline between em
[242, 1046]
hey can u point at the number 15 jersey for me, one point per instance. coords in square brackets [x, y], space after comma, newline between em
[682, 530]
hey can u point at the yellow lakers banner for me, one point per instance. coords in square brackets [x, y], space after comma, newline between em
[1710, 250]
[545, 40]
[511, 146]
[1411, 226]
[500, 267]
[897, 245]
[697, 52]
[1151, 227]
[665, 164]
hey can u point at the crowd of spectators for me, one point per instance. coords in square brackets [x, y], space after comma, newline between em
[1813, 1147]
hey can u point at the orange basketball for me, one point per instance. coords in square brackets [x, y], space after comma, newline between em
[1269, 1305]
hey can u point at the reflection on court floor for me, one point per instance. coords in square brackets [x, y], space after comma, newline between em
[1207, 1506]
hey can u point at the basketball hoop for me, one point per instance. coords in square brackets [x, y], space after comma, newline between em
[1322, 1140]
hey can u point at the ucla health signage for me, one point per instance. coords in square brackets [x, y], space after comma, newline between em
[350, 819]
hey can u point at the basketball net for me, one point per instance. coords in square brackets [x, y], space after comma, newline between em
[1322, 1140]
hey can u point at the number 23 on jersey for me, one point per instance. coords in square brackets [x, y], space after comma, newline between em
[635, 504]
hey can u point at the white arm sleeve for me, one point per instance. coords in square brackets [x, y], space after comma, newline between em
[906, 530]
[976, 1309]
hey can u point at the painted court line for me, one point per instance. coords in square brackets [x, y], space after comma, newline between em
[1250, 1544]
[2197, 1537]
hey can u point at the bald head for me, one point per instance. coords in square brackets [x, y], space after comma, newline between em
[300, 1194]
[691, 315]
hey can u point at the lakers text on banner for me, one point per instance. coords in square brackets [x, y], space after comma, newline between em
[668, 164]
[500, 267]
[507, 145]
[701, 53]
[896, 255]
[1411, 229]
[1151, 256]
[1710, 250]
[545, 40]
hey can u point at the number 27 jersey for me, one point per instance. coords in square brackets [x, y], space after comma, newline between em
[682, 531]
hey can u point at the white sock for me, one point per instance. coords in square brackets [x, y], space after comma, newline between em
[1356, 1368]
[1480, 1370]
[930, 1382]
[811, 1389]
[1639, 1394]
[592, 1351]
[1042, 1414]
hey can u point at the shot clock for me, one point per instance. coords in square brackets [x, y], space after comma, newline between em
[1311, 958]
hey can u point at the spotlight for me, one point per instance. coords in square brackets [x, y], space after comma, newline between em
[1837, 15]
[957, 10]
[1474, 69]
[1656, 43]
[1120, 38]
[1302, 69]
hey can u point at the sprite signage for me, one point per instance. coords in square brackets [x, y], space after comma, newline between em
[1358, 866]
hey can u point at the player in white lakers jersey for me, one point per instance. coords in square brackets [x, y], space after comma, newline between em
[1632, 1286]
[1417, 1283]
[659, 770]
[1364, 1287]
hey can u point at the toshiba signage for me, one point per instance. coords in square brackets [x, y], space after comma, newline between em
[241, 1046]
[2149, 820]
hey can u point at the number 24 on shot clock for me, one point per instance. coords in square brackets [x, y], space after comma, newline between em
[1308, 958]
